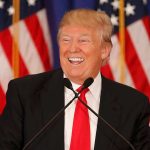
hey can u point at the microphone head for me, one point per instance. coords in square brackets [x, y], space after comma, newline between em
[87, 83]
[67, 83]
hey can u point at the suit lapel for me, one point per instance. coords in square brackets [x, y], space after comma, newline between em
[52, 100]
[110, 111]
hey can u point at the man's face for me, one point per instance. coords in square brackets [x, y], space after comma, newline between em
[81, 52]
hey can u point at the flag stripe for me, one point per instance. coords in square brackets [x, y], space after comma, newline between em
[5, 38]
[135, 67]
[2, 99]
[22, 67]
[114, 58]
[141, 44]
[146, 21]
[37, 36]
[43, 18]
[6, 74]
[106, 71]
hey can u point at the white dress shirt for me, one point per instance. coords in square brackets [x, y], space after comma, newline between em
[93, 100]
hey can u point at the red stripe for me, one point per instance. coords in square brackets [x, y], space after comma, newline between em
[22, 68]
[6, 40]
[2, 100]
[36, 33]
[135, 67]
[146, 21]
[106, 71]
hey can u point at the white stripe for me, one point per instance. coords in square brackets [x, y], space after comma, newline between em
[114, 64]
[5, 71]
[141, 43]
[28, 49]
[44, 25]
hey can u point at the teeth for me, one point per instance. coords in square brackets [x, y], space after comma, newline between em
[76, 59]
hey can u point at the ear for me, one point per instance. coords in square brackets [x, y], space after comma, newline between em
[105, 53]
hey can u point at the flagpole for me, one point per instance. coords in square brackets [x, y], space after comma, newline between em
[15, 49]
[122, 40]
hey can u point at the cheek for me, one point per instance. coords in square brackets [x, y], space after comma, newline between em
[62, 57]
[95, 55]
[62, 48]
[95, 60]
[62, 52]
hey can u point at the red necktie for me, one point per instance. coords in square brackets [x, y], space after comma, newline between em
[80, 139]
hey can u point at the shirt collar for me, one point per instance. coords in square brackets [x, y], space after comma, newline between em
[94, 88]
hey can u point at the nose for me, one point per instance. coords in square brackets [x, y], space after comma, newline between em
[74, 47]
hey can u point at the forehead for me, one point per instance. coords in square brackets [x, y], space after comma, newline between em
[77, 30]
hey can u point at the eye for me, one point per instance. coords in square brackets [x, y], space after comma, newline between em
[65, 39]
[84, 41]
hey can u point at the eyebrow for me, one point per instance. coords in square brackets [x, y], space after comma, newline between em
[66, 34]
[85, 35]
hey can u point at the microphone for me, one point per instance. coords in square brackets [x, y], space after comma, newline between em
[68, 84]
[85, 85]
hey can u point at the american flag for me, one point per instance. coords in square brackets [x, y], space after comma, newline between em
[25, 44]
[29, 27]
[130, 57]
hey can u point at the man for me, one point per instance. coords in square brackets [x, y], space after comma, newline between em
[84, 40]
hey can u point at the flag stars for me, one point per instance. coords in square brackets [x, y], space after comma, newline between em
[130, 9]
[103, 1]
[115, 4]
[114, 20]
[1, 4]
[11, 10]
[144, 2]
[31, 2]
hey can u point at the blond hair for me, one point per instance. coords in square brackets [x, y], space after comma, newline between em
[89, 18]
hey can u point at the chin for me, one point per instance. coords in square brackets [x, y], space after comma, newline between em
[76, 73]
[77, 78]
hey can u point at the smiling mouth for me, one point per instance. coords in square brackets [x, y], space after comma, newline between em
[75, 60]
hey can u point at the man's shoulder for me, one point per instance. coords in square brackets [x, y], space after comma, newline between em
[34, 80]
[124, 92]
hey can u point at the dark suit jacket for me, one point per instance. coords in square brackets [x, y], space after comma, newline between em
[33, 100]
